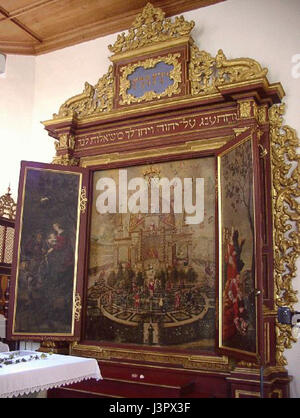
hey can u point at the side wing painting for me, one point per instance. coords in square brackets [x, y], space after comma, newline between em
[47, 276]
[239, 255]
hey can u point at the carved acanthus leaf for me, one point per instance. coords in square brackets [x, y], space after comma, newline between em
[94, 99]
[77, 105]
[238, 69]
[65, 142]
[207, 73]
[150, 27]
[65, 160]
[286, 218]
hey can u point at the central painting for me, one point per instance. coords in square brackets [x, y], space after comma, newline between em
[151, 275]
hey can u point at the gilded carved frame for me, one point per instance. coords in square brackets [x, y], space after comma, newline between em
[210, 79]
[175, 76]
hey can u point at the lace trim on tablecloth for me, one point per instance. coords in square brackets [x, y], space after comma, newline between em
[49, 386]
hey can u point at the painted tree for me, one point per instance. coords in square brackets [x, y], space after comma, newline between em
[237, 183]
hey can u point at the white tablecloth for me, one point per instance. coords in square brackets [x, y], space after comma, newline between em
[37, 375]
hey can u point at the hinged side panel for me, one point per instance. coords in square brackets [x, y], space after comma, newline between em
[239, 261]
[47, 272]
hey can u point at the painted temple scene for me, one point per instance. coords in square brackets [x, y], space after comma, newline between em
[152, 275]
[238, 261]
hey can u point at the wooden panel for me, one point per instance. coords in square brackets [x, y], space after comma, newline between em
[53, 24]
[30, 252]
[17, 5]
[49, 20]
[10, 32]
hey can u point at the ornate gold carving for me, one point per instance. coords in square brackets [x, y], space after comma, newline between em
[247, 364]
[77, 105]
[262, 114]
[175, 75]
[83, 200]
[263, 152]
[53, 347]
[65, 159]
[286, 219]
[66, 141]
[208, 74]
[150, 27]
[238, 69]
[245, 110]
[93, 100]
[77, 307]
[239, 131]
[104, 93]
[284, 340]
[8, 206]
[201, 72]
[47, 346]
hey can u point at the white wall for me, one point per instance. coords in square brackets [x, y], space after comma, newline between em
[16, 110]
[59, 76]
[35, 87]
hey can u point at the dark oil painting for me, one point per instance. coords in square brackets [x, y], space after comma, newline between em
[151, 277]
[48, 247]
[237, 246]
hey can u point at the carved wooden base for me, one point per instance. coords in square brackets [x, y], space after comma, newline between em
[146, 381]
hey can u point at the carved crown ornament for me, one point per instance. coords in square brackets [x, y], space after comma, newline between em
[151, 27]
[208, 75]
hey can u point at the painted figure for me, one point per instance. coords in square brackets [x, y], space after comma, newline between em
[234, 308]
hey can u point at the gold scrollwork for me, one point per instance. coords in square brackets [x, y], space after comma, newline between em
[286, 219]
[77, 105]
[93, 100]
[263, 152]
[65, 159]
[175, 76]
[150, 27]
[77, 307]
[245, 110]
[208, 74]
[66, 141]
[83, 200]
[262, 114]
[237, 69]
[247, 364]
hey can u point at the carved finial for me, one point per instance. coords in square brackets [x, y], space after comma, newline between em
[151, 26]
[7, 205]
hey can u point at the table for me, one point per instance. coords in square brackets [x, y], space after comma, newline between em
[45, 372]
